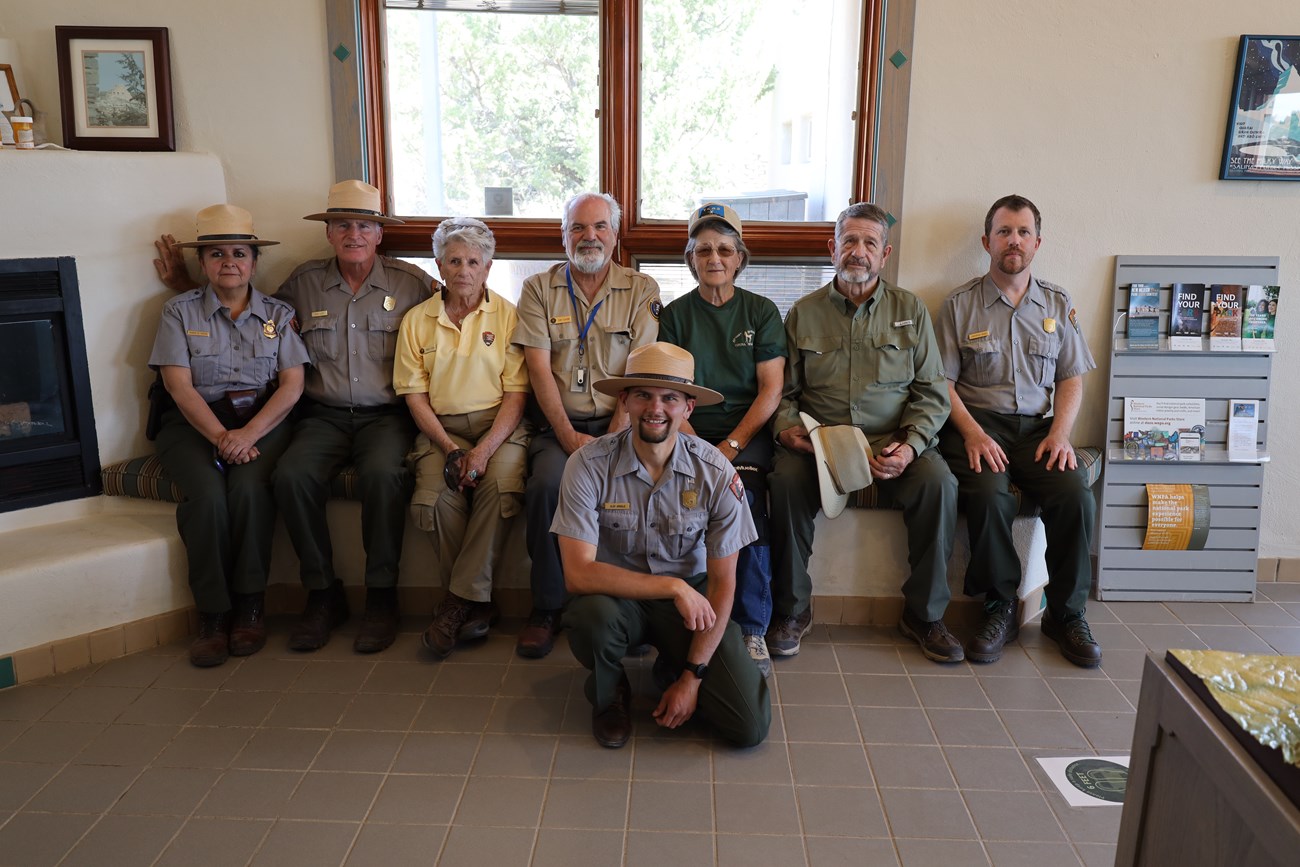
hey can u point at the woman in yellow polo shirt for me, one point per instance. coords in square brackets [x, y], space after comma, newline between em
[465, 384]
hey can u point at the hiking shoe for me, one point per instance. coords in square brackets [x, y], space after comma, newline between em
[457, 618]
[538, 637]
[937, 643]
[1074, 637]
[757, 647]
[248, 629]
[212, 645]
[612, 726]
[379, 624]
[1000, 626]
[325, 610]
[783, 637]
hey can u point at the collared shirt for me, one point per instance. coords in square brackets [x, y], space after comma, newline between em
[696, 512]
[628, 318]
[352, 337]
[873, 365]
[463, 369]
[728, 343]
[1008, 359]
[223, 355]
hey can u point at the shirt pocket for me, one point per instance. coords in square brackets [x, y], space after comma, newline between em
[895, 359]
[981, 362]
[686, 532]
[821, 360]
[206, 367]
[266, 357]
[381, 331]
[620, 345]
[320, 337]
[618, 530]
[1042, 353]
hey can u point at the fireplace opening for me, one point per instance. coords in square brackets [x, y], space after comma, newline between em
[48, 449]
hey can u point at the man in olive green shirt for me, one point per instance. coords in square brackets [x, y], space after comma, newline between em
[862, 352]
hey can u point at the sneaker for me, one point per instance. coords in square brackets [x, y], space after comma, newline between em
[1000, 625]
[482, 616]
[1074, 637]
[538, 637]
[783, 637]
[379, 624]
[757, 647]
[937, 643]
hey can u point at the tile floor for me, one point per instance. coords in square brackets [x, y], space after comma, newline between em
[876, 756]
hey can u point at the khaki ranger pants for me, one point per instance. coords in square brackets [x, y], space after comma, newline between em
[469, 532]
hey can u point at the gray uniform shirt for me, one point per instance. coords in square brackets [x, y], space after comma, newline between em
[352, 338]
[1008, 359]
[225, 355]
[696, 511]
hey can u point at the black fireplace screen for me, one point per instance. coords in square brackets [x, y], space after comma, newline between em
[48, 448]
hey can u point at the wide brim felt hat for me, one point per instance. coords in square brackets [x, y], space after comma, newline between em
[225, 224]
[660, 365]
[713, 212]
[354, 200]
[843, 457]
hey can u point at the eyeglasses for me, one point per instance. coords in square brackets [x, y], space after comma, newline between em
[725, 251]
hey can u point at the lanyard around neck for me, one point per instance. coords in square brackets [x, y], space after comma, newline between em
[591, 317]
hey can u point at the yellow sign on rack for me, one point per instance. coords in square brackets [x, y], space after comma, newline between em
[1178, 517]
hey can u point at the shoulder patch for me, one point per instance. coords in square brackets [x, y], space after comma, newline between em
[737, 487]
[656, 307]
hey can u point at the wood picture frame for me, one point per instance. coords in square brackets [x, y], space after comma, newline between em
[1262, 142]
[115, 88]
[8, 89]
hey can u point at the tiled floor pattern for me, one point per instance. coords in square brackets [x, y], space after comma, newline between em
[876, 756]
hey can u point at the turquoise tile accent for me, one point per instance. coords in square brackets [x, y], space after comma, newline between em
[891, 219]
[341, 52]
[7, 676]
[898, 58]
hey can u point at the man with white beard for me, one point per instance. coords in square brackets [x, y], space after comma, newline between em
[577, 323]
[862, 352]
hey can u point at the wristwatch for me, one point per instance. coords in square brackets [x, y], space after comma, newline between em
[698, 669]
[735, 445]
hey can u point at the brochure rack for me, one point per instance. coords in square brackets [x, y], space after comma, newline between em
[1225, 570]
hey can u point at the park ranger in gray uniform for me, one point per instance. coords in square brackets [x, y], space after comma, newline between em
[1013, 352]
[649, 524]
[349, 308]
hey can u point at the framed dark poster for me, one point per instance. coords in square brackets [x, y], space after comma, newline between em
[1263, 136]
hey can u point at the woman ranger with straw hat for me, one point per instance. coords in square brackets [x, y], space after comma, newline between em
[233, 368]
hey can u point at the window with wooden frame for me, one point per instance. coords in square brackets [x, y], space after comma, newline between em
[502, 109]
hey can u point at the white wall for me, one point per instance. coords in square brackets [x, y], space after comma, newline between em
[1109, 115]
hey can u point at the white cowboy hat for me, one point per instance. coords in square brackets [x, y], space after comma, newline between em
[225, 224]
[660, 365]
[843, 458]
[353, 199]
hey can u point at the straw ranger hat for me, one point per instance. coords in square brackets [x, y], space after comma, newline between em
[353, 199]
[225, 224]
[660, 365]
[842, 454]
[711, 212]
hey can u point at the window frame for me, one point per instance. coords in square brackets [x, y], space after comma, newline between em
[619, 149]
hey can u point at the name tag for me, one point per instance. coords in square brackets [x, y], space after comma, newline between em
[616, 507]
[561, 320]
[318, 314]
[977, 335]
[198, 334]
[902, 322]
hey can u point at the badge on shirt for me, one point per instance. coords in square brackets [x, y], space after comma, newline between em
[319, 314]
[561, 320]
[902, 323]
[197, 334]
[1049, 325]
[655, 309]
[488, 338]
[976, 335]
[689, 499]
[737, 487]
[389, 303]
[268, 328]
[616, 507]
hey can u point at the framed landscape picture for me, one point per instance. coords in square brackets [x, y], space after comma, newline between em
[115, 88]
[1263, 137]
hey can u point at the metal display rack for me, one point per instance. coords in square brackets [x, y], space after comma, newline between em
[1225, 570]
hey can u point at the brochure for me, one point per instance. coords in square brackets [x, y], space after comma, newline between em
[1164, 428]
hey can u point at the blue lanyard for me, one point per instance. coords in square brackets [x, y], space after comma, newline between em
[591, 317]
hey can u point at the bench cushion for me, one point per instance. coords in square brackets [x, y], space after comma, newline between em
[145, 477]
[1088, 457]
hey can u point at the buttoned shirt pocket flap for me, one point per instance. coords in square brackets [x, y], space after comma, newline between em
[1042, 352]
[686, 531]
[205, 360]
[618, 529]
[894, 356]
[318, 334]
[980, 361]
[813, 345]
[381, 328]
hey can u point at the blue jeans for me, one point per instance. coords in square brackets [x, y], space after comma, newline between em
[752, 608]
